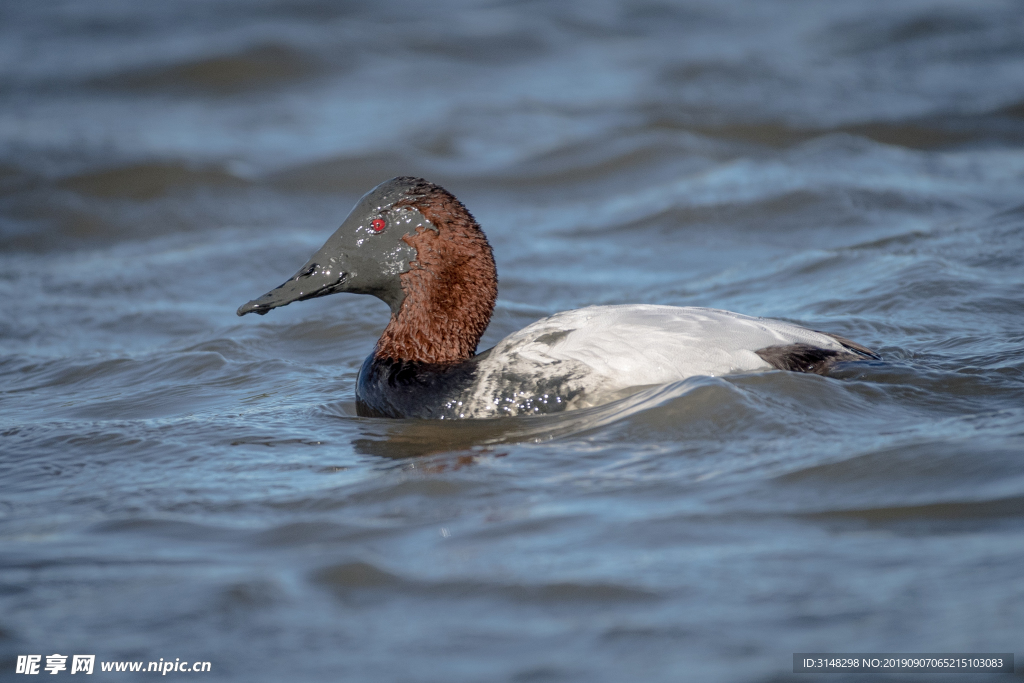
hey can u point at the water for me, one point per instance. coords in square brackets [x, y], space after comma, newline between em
[177, 482]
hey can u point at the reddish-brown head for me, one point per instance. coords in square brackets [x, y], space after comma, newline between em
[450, 287]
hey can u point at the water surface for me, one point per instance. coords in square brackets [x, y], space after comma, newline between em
[179, 482]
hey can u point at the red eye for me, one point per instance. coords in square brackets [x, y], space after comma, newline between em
[378, 224]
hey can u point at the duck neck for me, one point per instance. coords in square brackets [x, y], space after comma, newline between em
[450, 290]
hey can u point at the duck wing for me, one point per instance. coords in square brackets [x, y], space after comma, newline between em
[583, 357]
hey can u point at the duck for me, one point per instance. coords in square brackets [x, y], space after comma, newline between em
[414, 246]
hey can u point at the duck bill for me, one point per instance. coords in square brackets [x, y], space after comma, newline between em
[310, 282]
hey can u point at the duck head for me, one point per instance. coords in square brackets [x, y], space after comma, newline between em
[413, 245]
[366, 255]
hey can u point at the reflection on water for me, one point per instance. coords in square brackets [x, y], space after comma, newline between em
[178, 482]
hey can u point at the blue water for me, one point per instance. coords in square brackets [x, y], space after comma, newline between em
[177, 482]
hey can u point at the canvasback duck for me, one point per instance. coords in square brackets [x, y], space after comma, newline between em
[413, 245]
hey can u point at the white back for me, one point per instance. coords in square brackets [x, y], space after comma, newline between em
[602, 350]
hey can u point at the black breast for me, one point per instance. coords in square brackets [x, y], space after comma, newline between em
[396, 388]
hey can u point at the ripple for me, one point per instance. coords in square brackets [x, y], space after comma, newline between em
[347, 578]
[146, 181]
[254, 68]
